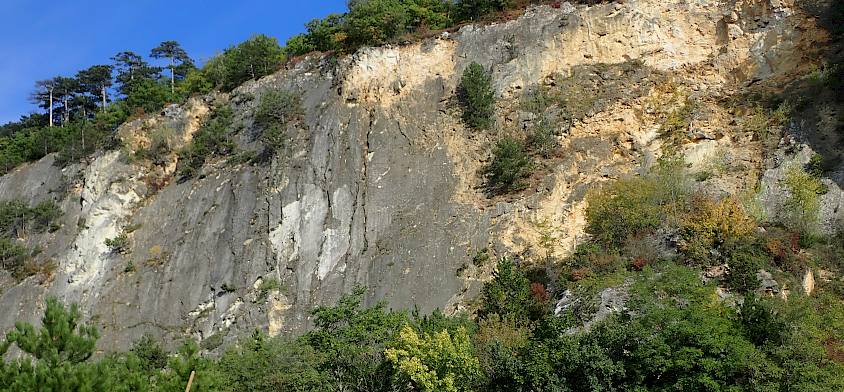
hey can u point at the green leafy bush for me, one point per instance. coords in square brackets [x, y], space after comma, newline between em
[278, 107]
[434, 362]
[16, 220]
[261, 363]
[508, 295]
[150, 353]
[634, 206]
[118, 244]
[477, 97]
[212, 140]
[475, 9]
[275, 111]
[744, 265]
[353, 340]
[802, 206]
[509, 167]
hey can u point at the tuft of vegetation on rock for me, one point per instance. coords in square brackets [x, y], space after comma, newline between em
[212, 140]
[275, 111]
[118, 244]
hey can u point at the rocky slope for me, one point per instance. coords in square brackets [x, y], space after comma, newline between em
[380, 185]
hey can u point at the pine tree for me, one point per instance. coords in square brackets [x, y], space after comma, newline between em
[477, 96]
[173, 51]
[57, 351]
[96, 81]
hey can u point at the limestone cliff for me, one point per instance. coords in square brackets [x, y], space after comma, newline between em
[380, 185]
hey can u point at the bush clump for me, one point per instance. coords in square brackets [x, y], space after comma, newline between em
[635, 206]
[213, 139]
[714, 229]
[802, 206]
[275, 111]
[477, 97]
[510, 165]
[543, 139]
[118, 244]
[13, 256]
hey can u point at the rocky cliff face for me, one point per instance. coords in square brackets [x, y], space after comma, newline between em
[380, 185]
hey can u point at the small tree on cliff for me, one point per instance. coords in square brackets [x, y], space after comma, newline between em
[477, 96]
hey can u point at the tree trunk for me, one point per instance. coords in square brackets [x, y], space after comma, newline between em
[66, 114]
[104, 98]
[172, 76]
[51, 108]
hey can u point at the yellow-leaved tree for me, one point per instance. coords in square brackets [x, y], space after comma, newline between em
[438, 362]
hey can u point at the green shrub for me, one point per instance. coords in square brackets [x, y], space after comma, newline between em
[441, 361]
[118, 244]
[760, 321]
[509, 167]
[267, 285]
[702, 176]
[477, 97]
[675, 124]
[150, 353]
[508, 295]
[480, 258]
[802, 206]
[634, 206]
[475, 9]
[278, 107]
[744, 265]
[44, 215]
[353, 339]
[816, 165]
[12, 255]
[261, 363]
[213, 139]
[16, 217]
[275, 111]
[543, 139]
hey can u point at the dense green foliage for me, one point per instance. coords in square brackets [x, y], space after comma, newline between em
[477, 97]
[803, 203]
[375, 22]
[674, 335]
[636, 205]
[510, 165]
[258, 56]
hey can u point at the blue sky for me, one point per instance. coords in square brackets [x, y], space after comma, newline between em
[42, 39]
